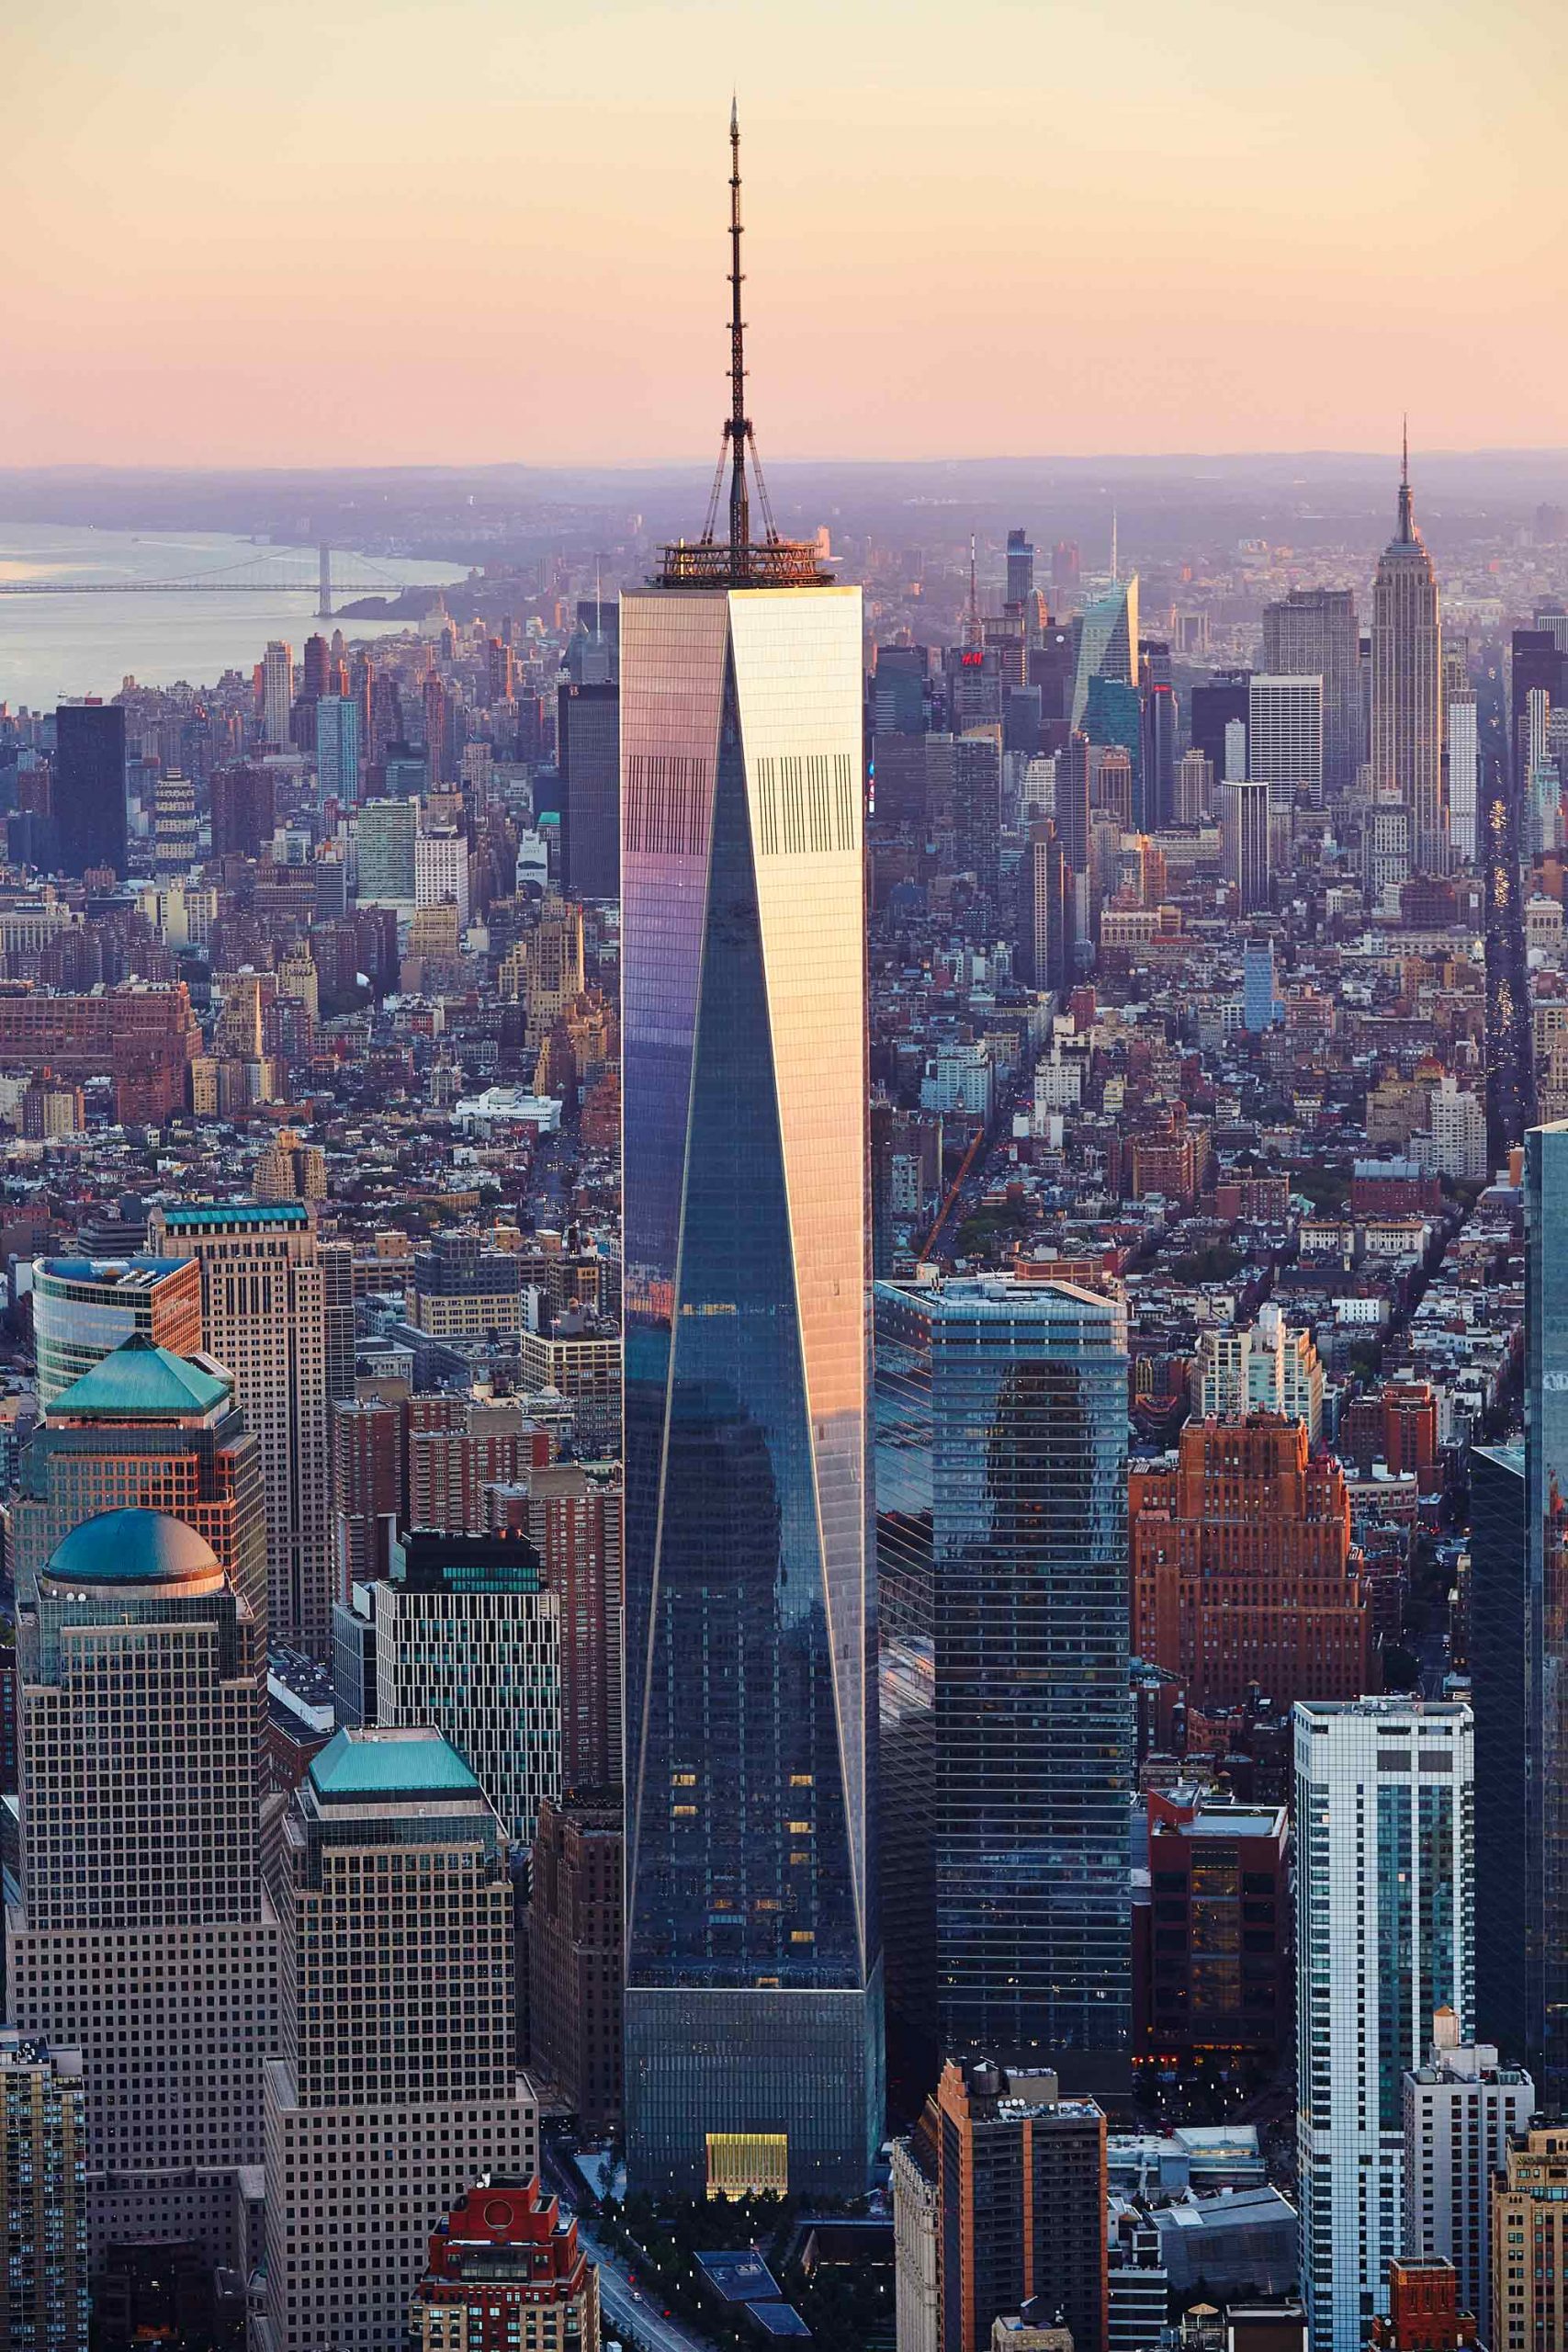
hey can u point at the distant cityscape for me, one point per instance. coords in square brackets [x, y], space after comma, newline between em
[782, 1431]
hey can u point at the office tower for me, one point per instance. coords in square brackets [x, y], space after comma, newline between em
[998, 2200]
[1066, 568]
[468, 1638]
[1313, 632]
[1459, 2111]
[1021, 568]
[1245, 855]
[174, 832]
[1194, 789]
[1243, 1569]
[1535, 666]
[44, 2199]
[277, 694]
[1529, 2242]
[1385, 1938]
[141, 1890]
[1043, 945]
[500, 680]
[1212, 1940]
[1108, 643]
[244, 811]
[1260, 1006]
[1407, 667]
[505, 2268]
[588, 753]
[386, 832]
[440, 748]
[1268, 1367]
[369, 1484]
[337, 748]
[265, 1312]
[1215, 703]
[84, 1306]
[1464, 775]
[1156, 759]
[576, 1925]
[753, 1989]
[977, 808]
[899, 691]
[1284, 739]
[441, 870]
[1007, 1400]
[1497, 1650]
[1072, 801]
[395, 2087]
[88, 796]
[146, 1428]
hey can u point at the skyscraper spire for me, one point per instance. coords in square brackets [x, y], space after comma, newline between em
[737, 428]
[1115, 561]
[1406, 528]
[740, 561]
[973, 633]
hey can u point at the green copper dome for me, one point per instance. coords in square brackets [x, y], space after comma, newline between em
[135, 1548]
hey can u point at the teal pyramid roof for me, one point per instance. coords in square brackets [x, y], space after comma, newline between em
[142, 1379]
[382, 1764]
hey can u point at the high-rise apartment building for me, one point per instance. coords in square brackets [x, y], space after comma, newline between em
[337, 748]
[1545, 1922]
[89, 786]
[588, 752]
[84, 1306]
[1385, 1938]
[1243, 1571]
[387, 832]
[43, 2197]
[1213, 1941]
[174, 831]
[1459, 2110]
[1464, 777]
[576, 1929]
[468, 1638]
[395, 2089]
[505, 2269]
[1004, 1539]
[277, 694]
[1245, 852]
[1408, 668]
[265, 1316]
[146, 1428]
[143, 1937]
[369, 1484]
[1529, 2242]
[1313, 632]
[998, 2200]
[753, 1988]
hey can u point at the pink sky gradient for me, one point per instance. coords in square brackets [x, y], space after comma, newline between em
[320, 232]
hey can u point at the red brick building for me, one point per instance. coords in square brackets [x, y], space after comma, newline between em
[1243, 1571]
[1423, 2308]
[507, 2270]
[1211, 1947]
[574, 1952]
[144, 1039]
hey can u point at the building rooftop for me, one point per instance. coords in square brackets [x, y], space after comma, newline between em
[139, 1378]
[186, 1218]
[376, 1762]
[124, 1273]
[134, 1547]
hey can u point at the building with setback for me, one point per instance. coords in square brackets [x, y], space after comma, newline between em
[753, 1992]
[84, 1306]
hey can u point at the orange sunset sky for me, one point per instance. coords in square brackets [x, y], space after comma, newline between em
[322, 231]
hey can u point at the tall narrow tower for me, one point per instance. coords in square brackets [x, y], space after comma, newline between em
[753, 1994]
[1407, 672]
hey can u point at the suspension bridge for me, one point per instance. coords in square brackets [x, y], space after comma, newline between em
[257, 575]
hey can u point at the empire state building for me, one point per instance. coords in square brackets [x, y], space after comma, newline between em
[1407, 667]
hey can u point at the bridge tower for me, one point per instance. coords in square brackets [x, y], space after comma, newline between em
[325, 603]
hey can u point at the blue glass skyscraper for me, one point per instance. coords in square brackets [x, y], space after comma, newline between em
[752, 2004]
[1002, 1412]
[1546, 1602]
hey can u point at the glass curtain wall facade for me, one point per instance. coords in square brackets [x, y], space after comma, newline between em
[753, 1985]
[1012, 1449]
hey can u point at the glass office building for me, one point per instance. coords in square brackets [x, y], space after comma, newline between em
[1002, 1420]
[753, 1989]
[1496, 1653]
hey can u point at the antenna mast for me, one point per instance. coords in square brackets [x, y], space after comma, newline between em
[738, 429]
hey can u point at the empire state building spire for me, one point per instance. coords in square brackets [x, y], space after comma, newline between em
[1406, 534]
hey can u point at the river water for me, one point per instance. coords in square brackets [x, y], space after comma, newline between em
[52, 647]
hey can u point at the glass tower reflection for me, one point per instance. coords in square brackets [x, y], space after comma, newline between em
[753, 1992]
